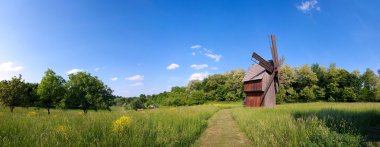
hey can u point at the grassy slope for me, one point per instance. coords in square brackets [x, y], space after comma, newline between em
[309, 124]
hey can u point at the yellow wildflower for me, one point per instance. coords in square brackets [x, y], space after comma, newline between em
[62, 131]
[173, 109]
[217, 105]
[81, 113]
[121, 124]
[31, 114]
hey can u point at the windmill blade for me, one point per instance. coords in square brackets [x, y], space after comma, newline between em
[271, 79]
[281, 61]
[274, 51]
[262, 62]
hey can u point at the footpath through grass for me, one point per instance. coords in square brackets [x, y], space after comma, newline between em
[223, 131]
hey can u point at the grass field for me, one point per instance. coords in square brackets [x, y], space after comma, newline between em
[160, 127]
[308, 124]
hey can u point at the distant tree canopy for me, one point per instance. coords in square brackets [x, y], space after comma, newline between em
[81, 91]
[87, 92]
[318, 83]
[302, 84]
[218, 87]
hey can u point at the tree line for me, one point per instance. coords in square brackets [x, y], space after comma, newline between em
[333, 84]
[84, 91]
[302, 84]
[218, 87]
[81, 91]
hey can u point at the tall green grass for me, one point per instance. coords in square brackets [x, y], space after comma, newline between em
[309, 124]
[179, 126]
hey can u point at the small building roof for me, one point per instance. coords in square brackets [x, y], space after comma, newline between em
[255, 72]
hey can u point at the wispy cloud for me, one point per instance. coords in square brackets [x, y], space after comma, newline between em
[9, 66]
[135, 78]
[308, 6]
[97, 69]
[198, 76]
[216, 57]
[114, 79]
[206, 52]
[196, 46]
[136, 84]
[74, 71]
[199, 66]
[172, 66]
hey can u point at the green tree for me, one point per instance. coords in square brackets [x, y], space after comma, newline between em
[178, 89]
[370, 81]
[287, 92]
[31, 97]
[87, 92]
[348, 95]
[13, 92]
[307, 94]
[195, 85]
[137, 104]
[305, 77]
[377, 93]
[333, 91]
[356, 82]
[51, 90]
[234, 85]
[332, 87]
[198, 97]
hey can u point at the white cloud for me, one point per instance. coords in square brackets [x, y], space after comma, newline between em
[214, 56]
[307, 6]
[114, 79]
[135, 78]
[198, 76]
[136, 84]
[97, 69]
[196, 47]
[8, 66]
[207, 50]
[172, 66]
[74, 71]
[199, 66]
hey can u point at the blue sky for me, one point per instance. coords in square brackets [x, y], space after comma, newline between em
[147, 46]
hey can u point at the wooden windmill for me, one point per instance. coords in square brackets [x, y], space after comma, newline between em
[262, 81]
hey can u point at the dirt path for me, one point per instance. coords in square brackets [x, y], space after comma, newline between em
[223, 131]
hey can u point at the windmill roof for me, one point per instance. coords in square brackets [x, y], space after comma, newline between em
[255, 72]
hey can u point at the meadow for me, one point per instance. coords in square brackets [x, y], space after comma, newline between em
[310, 124]
[303, 124]
[159, 127]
